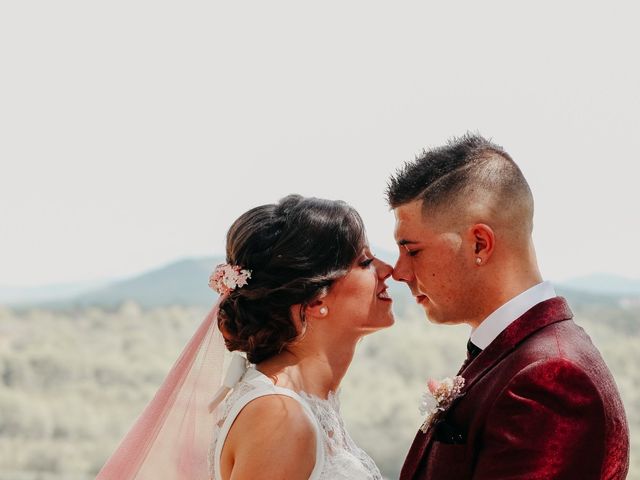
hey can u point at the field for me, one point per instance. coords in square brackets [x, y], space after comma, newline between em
[72, 381]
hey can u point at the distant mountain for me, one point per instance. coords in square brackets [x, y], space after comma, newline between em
[606, 284]
[184, 282]
[580, 298]
[13, 295]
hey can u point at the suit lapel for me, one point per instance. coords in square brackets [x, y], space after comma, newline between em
[539, 316]
[544, 313]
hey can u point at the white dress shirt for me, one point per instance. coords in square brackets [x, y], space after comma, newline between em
[500, 319]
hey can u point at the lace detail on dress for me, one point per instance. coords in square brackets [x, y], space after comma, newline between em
[241, 389]
[344, 460]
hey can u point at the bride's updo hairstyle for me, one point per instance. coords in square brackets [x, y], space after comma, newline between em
[295, 250]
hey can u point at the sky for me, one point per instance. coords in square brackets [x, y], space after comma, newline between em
[133, 133]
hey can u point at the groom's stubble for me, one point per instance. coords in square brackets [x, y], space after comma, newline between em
[433, 260]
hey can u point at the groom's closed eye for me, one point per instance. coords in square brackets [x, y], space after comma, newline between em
[405, 244]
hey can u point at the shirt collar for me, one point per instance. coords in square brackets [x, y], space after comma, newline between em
[500, 319]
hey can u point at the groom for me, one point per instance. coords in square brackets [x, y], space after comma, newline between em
[538, 400]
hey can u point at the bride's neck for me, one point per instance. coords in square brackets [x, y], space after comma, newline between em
[316, 370]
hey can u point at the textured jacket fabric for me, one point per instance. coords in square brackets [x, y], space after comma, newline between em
[538, 403]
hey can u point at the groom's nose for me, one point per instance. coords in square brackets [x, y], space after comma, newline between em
[402, 271]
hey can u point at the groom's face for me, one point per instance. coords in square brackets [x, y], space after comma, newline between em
[432, 262]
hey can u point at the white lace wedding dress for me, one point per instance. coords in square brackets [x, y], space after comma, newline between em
[337, 456]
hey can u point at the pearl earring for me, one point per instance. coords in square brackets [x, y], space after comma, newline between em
[324, 310]
[478, 260]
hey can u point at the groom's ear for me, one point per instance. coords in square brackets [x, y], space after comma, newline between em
[483, 242]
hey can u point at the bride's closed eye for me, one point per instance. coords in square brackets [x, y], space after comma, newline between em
[365, 263]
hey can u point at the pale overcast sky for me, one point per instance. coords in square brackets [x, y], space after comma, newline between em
[133, 133]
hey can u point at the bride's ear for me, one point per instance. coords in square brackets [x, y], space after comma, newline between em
[301, 314]
[317, 309]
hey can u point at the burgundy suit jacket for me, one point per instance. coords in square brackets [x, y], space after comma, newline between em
[538, 403]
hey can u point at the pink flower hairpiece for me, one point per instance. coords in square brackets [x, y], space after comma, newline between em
[439, 396]
[226, 278]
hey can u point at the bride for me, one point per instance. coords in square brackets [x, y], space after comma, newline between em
[299, 290]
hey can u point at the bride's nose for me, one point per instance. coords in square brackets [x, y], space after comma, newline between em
[383, 269]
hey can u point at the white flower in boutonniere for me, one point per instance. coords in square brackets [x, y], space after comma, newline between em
[439, 396]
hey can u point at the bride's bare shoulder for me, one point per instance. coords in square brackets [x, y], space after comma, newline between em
[272, 437]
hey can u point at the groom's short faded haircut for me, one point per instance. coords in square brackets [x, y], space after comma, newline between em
[466, 166]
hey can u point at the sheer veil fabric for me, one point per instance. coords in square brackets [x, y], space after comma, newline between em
[170, 439]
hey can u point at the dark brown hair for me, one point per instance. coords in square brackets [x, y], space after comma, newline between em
[440, 175]
[295, 250]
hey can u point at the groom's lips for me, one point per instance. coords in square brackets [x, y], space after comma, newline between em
[420, 298]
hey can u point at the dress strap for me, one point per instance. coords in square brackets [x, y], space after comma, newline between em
[263, 389]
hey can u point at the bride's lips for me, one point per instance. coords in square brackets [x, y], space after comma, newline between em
[421, 298]
[384, 296]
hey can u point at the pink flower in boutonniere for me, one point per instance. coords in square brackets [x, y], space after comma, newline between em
[439, 396]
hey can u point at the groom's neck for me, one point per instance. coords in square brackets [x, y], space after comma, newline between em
[506, 286]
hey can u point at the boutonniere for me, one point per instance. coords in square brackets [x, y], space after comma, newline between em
[439, 396]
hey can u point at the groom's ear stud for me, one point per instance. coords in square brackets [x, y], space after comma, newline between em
[478, 260]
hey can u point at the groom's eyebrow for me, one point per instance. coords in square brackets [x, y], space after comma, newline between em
[404, 242]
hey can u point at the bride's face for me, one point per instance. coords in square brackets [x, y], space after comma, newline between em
[358, 302]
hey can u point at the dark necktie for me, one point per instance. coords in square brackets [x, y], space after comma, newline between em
[472, 352]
